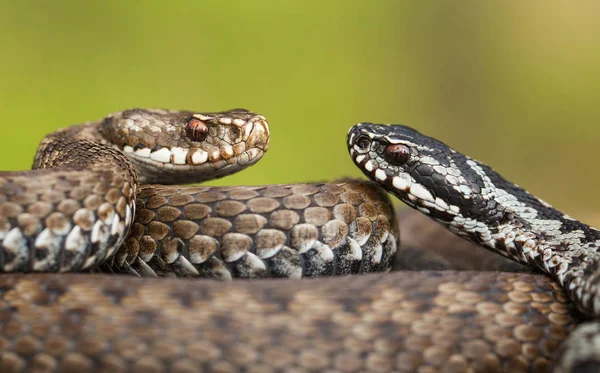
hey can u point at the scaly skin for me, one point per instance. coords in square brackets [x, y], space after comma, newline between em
[288, 230]
[403, 322]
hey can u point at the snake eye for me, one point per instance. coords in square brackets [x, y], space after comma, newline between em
[397, 154]
[363, 142]
[196, 130]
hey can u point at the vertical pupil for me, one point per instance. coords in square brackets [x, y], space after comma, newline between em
[397, 154]
[196, 130]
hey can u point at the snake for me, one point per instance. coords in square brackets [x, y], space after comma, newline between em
[91, 203]
[475, 202]
[100, 198]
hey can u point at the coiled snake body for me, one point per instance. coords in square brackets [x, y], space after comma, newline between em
[73, 211]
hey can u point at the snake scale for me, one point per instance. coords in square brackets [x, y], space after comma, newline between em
[82, 208]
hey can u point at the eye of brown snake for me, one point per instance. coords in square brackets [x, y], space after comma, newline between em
[397, 154]
[196, 130]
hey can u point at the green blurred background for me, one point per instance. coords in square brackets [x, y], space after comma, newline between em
[514, 84]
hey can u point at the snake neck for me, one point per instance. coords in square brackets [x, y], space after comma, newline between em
[83, 148]
[530, 231]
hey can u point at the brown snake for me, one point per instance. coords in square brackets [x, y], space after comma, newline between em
[72, 213]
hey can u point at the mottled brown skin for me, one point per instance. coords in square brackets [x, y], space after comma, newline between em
[403, 322]
[76, 182]
[285, 230]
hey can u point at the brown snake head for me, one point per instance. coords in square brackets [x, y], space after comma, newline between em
[176, 146]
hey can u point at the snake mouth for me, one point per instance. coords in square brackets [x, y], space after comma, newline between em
[170, 173]
[191, 159]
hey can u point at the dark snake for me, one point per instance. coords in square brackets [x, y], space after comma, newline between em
[73, 211]
[473, 201]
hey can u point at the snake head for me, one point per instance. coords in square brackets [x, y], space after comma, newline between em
[171, 147]
[422, 172]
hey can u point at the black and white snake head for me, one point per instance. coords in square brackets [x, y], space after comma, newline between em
[421, 171]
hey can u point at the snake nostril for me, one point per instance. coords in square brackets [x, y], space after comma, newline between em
[363, 142]
[196, 130]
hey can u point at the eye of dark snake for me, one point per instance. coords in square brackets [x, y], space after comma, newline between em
[397, 154]
[196, 130]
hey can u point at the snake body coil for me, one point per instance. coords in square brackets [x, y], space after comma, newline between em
[73, 211]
